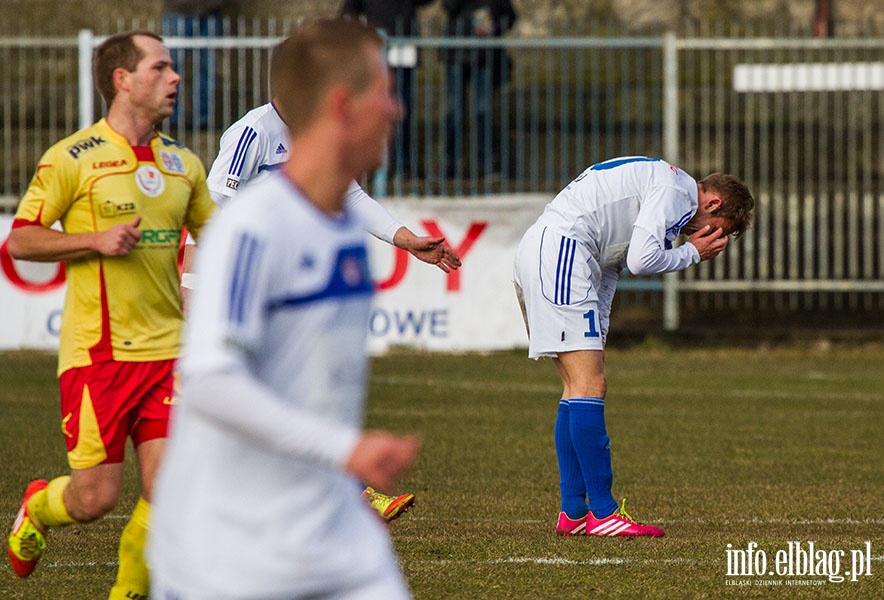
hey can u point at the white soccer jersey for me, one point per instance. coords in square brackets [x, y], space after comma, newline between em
[251, 500]
[625, 210]
[258, 144]
[603, 204]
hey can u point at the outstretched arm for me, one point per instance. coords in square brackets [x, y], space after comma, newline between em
[431, 250]
[381, 224]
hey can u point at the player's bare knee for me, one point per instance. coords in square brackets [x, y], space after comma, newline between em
[593, 385]
[94, 507]
[91, 503]
[602, 384]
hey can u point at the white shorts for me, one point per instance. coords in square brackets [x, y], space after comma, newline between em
[389, 585]
[557, 283]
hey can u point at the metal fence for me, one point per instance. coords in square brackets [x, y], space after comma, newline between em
[799, 119]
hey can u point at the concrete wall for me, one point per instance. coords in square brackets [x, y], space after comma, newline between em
[850, 17]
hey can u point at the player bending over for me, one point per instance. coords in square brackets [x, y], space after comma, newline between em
[624, 212]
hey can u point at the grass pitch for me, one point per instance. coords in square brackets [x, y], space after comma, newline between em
[720, 447]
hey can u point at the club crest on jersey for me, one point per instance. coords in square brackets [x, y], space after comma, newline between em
[150, 181]
[352, 271]
[172, 162]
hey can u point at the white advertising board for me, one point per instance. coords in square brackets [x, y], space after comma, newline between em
[417, 305]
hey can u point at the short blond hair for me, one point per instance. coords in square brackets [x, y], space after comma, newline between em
[319, 54]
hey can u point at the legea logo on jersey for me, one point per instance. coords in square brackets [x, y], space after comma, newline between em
[149, 180]
[108, 164]
[110, 209]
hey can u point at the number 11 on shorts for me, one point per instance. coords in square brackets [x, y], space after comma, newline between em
[592, 324]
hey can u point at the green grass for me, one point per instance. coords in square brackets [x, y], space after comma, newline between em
[718, 446]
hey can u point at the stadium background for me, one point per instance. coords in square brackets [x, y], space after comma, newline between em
[587, 85]
[537, 17]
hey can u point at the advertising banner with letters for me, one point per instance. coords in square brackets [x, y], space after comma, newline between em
[416, 305]
[32, 296]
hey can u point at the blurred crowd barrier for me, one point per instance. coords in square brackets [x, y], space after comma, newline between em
[798, 118]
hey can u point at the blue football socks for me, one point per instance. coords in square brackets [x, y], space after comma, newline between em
[592, 447]
[571, 484]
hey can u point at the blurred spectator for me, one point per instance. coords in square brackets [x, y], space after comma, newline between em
[397, 18]
[474, 75]
[194, 18]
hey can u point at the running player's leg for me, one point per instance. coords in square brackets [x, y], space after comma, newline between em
[95, 435]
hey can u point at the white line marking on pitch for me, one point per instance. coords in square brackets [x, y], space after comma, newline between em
[718, 520]
[80, 565]
[571, 561]
[514, 560]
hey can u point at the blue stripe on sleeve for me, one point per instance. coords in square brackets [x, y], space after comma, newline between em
[242, 147]
[248, 250]
[675, 230]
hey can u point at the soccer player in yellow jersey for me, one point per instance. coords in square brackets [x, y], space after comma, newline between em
[122, 193]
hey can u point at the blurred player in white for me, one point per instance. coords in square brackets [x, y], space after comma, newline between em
[258, 144]
[258, 494]
[624, 212]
